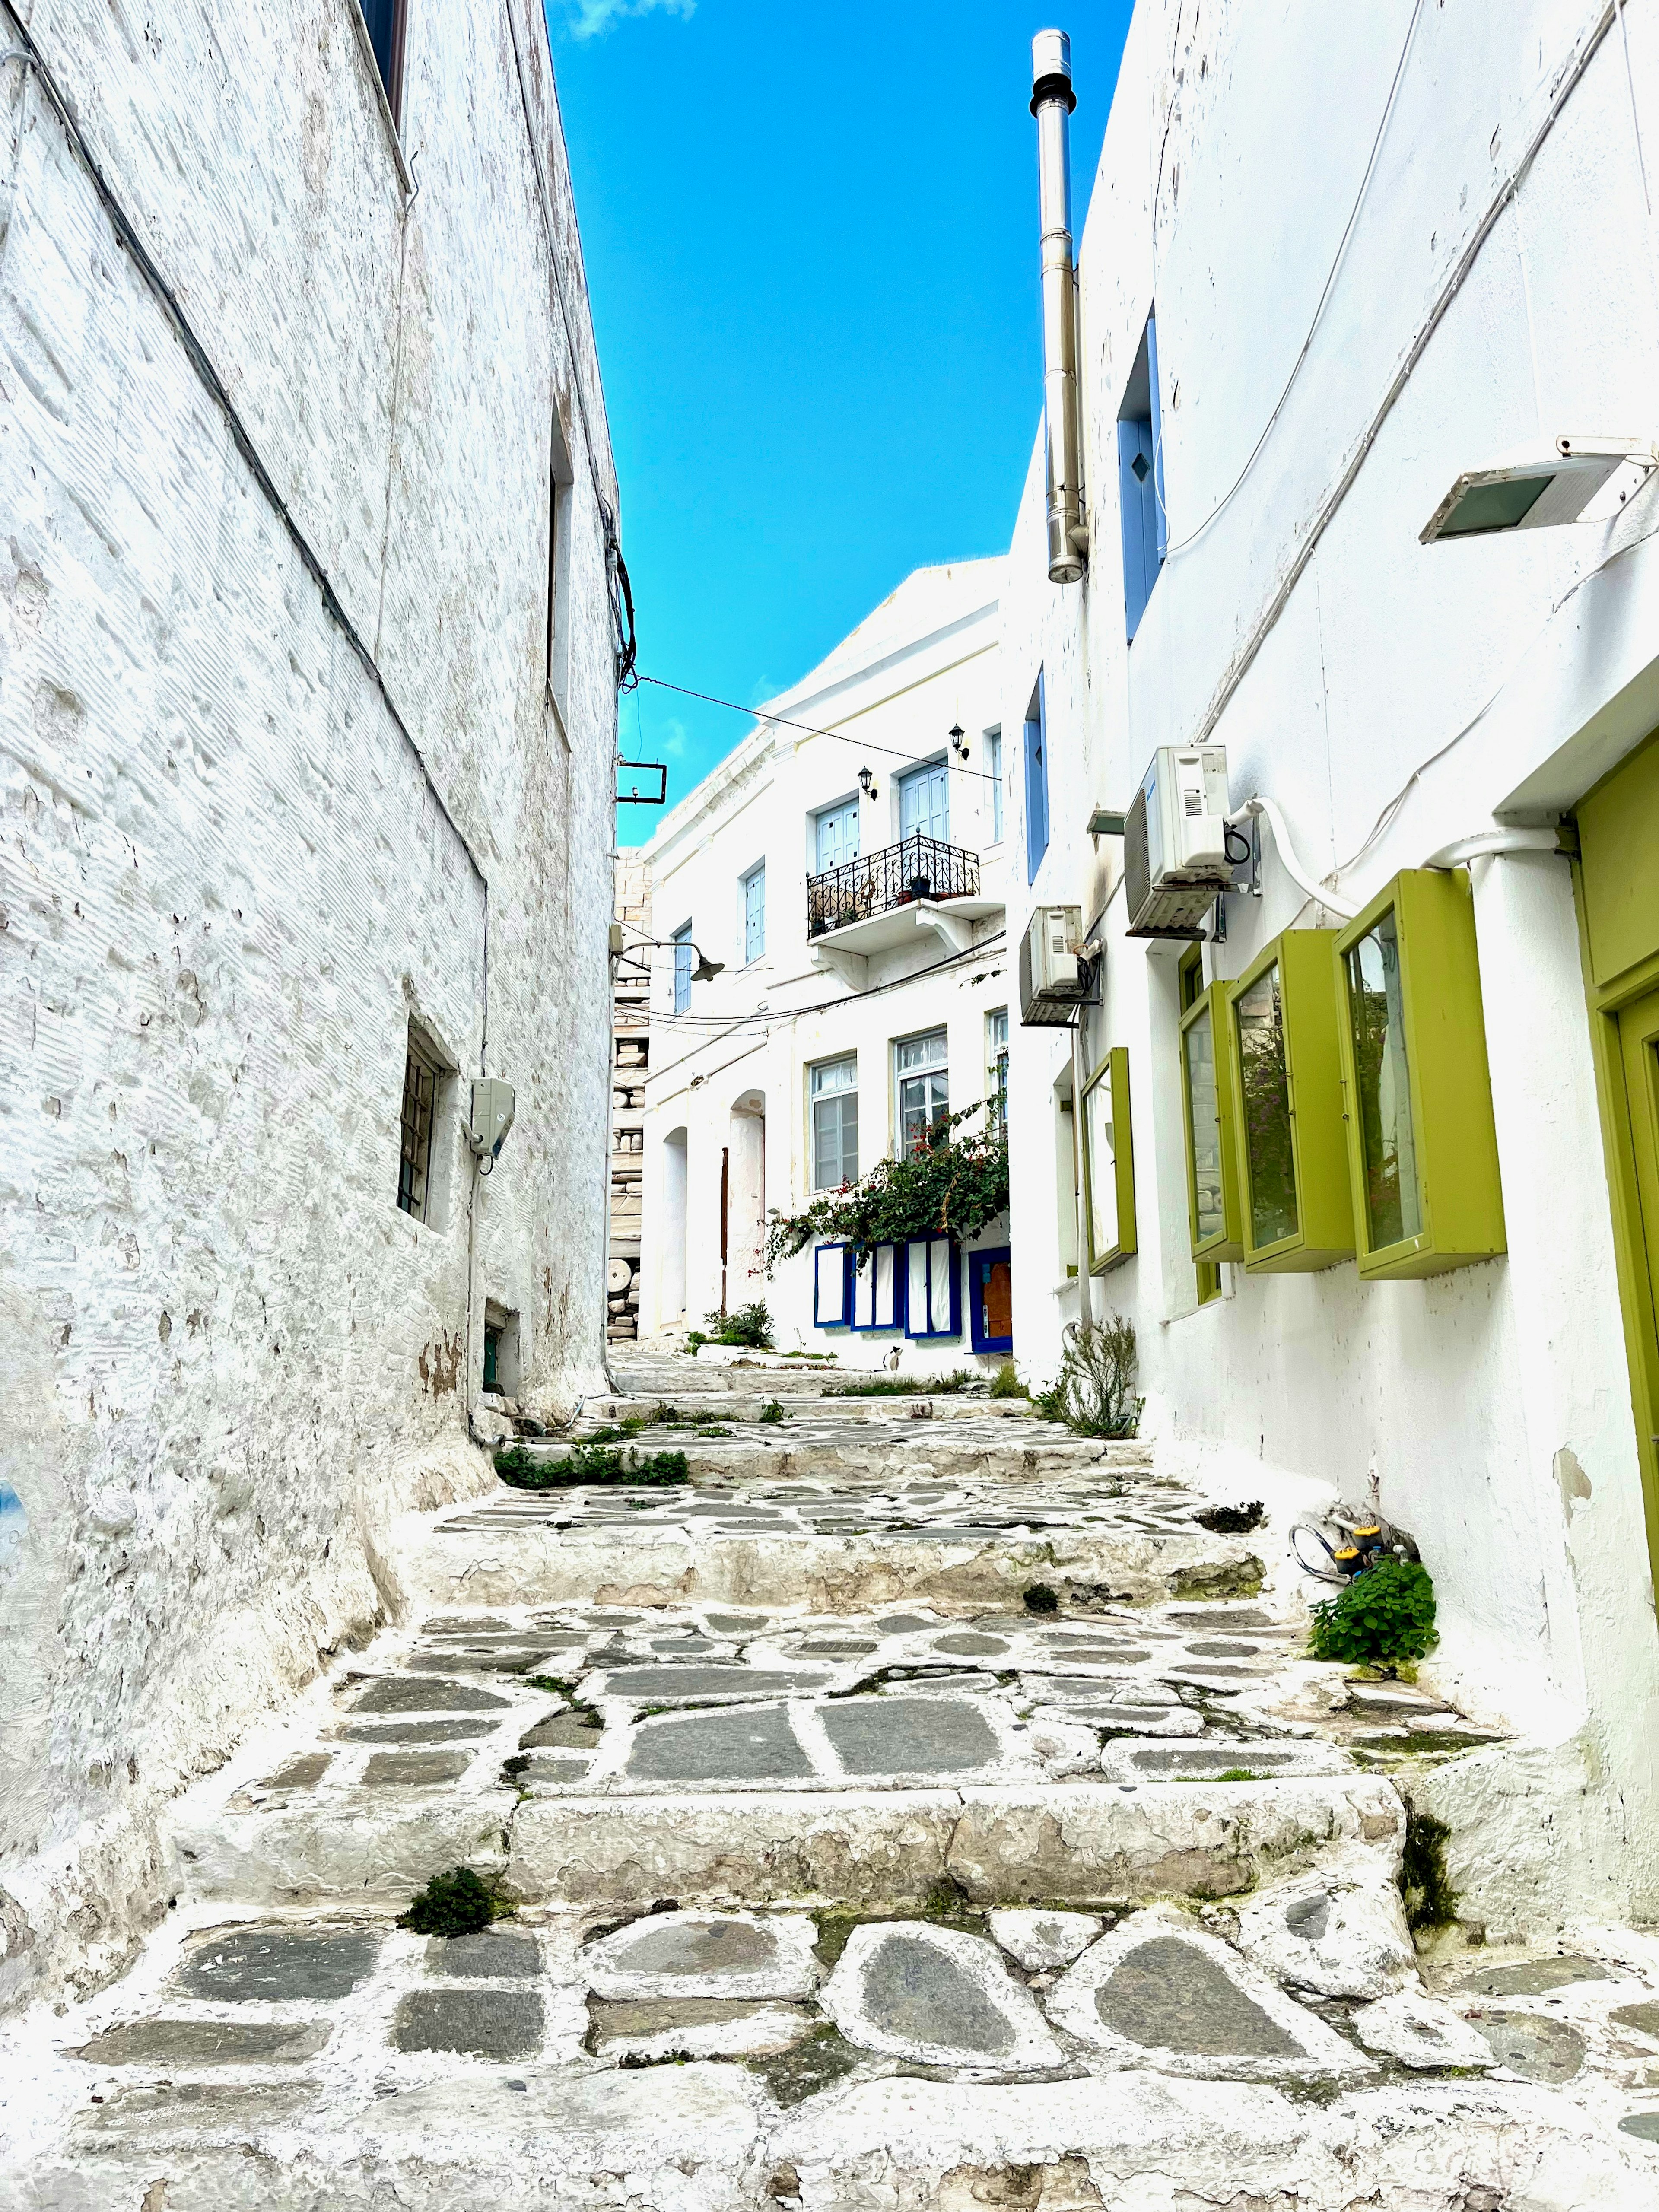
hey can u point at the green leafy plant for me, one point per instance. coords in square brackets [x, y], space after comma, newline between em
[1006, 1383]
[948, 1186]
[589, 1462]
[1091, 1393]
[749, 1326]
[459, 1903]
[1041, 1598]
[695, 1341]
[1384, 1617]
[772, 1412]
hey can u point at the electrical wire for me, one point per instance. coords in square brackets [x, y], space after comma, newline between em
[713, 1025]
[1182, 544]
[783, 722]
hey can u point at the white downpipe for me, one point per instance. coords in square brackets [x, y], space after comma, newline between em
[1293, 868]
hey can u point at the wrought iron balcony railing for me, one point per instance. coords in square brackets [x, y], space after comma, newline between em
[917, 868]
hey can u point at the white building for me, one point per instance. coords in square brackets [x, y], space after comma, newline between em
[307, 705]
[1331, 261]
[850, 886]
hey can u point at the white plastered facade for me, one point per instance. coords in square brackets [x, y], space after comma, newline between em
[1497, 286]
[732, 1075]
[262, 813]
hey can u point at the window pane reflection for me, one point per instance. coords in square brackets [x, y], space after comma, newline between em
[1204, 1108]
[1266, 1105]
[1376, 1016]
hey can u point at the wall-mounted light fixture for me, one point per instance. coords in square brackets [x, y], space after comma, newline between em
[704, 972]
[957, 745]
[1537, 486]
[867, 783]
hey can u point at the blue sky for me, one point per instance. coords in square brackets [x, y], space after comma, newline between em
[811, 243]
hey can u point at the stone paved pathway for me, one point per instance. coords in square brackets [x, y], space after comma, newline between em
[888, 1828]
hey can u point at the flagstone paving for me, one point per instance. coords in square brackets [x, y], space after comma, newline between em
[910, 1841]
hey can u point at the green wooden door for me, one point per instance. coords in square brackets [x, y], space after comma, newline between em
[1638, 1061]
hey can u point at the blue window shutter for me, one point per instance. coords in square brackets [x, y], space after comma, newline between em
[924, 803]
[1138, 514]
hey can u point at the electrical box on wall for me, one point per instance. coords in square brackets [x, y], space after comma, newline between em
[1054, 979]
[492, 1116]
[1175, 842]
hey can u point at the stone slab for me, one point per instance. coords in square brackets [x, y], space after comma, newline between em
[704, 1954]
[1158, 1991]
[269, 1964]
[1534, 1978]
[697, 2028]
[206, 2043]
[414, 1770]
[410, 1693]
[1529, 2045]
[938, 1995]
[1421, 2032]
[489, 1955]
[753, 1743]
[909, 1736]
[664, 1686]
[302, 1773]
[414, 1732]
[481, 2023]
[1043, 1940]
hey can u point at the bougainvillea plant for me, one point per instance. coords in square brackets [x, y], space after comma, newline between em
[951, 1185]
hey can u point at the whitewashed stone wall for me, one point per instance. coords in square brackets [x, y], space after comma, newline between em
[1497, 286]
[240, 849]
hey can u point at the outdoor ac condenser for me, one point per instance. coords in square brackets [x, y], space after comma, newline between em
[1053, 980]
[1175, 842]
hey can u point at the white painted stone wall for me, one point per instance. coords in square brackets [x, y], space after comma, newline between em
[733, 1075]
[1498, 285]
[238, 851]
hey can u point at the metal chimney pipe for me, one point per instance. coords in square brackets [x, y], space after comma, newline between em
[1052, 102]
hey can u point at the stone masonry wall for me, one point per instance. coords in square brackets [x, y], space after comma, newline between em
[236, 860]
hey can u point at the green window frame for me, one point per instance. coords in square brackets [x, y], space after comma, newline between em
[1296, 1212]
[1106, 1116]
[1417, 1091]
[1209, 1051]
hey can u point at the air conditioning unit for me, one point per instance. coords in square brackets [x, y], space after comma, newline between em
[1175, 842]
[1054, 981]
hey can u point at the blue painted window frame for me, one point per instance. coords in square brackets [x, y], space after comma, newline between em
[1141, 509]
[754, 913]
[929, 1246]
[1036, 783]
[846, 1252]
[979, 1266]
[875, 1326]
[842, 818]
[683, 969]
[925, 801]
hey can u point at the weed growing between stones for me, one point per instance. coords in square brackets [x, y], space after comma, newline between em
[1005, 1382]
[589, 1461]
[714, 1429]
[459, 1903]
[1232, 1520]
[1091, 1393]
[1384, 1616]
[1041, 1599]
[750, 1326]
[771, 1413]
[905, 1386]
[1431, 1900]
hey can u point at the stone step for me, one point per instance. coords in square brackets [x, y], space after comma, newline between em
[597, 1754]
[746, 1405]
[875, 1447]
[714, 2061]
[1102, 1536]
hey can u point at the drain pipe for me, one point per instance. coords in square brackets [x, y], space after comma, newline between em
[1052, 102]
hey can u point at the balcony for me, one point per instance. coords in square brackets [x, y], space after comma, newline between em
[877, 903]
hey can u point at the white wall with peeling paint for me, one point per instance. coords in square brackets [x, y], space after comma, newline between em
[1496, 285]
[240, 851]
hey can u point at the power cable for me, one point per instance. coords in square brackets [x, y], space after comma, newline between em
[715, 1024]
[783, 722]
[1193, 537]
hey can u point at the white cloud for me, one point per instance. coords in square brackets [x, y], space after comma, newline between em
[591, 19]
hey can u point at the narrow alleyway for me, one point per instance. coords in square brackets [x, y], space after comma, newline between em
[920, 1808]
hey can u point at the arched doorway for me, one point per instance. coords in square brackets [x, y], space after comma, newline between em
[670, 1265]
[743, 1222]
